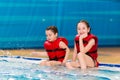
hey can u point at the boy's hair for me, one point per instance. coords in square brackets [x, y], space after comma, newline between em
[53, 29]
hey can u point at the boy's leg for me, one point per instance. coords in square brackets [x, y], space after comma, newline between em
[72, 65]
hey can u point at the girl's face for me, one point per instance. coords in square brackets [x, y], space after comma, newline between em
[82, 28]
[50, 35]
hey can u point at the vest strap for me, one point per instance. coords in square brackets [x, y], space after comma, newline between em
[54, 50]
[55, 58]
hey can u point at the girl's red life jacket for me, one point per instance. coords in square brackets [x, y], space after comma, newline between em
[54, 51]
[93, 51]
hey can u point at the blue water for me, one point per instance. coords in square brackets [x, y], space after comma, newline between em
[22, 68]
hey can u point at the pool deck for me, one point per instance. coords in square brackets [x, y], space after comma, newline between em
[106, 54]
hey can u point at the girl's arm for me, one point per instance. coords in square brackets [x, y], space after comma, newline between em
[74, 53]
[85, 49]
[64, 46]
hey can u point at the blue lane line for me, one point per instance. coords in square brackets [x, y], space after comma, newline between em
[10, 56]
[36, 59]
[109, 65]
[27, 58]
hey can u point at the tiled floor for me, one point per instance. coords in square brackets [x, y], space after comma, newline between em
[109, 55]
[106, 55]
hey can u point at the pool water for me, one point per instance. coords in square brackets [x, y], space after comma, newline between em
[23, 68]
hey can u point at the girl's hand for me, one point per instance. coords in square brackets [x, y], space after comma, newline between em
[82, 36]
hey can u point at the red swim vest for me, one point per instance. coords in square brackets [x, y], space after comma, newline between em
[93, 51]
[54, 51]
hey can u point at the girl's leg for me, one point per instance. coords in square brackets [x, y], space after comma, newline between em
[54, 63]
[89, 61]
[50, 63]
[44, 63]
[81, 58]
[69, 65]
[85, 61]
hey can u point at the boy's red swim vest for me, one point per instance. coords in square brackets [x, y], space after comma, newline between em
[54, 51]
[93, 51]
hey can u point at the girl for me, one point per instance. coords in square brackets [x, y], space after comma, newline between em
[85, 47]
[56, 48]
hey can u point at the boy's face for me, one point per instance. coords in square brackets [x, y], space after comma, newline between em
[50, 35]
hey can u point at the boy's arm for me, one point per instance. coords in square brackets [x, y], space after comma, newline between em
[64, 46]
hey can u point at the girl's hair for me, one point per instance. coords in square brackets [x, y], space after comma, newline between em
[53, 29]
[87, 24]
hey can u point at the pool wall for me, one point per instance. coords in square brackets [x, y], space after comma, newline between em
[23, 22]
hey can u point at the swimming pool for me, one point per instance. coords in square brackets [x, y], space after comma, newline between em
[24, 68]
